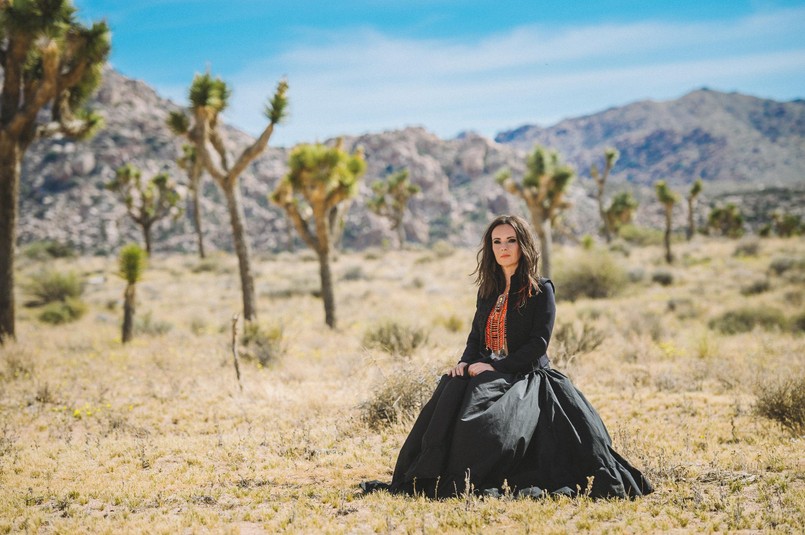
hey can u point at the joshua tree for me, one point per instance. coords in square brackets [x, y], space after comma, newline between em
[695, 189]
[49, 62]
[621, 211]
[320, 177]
[192, 166]
[610, 157]
[668, 198]
[726, 220]
[391, 198]
[146, 202]
[208, 98]
[132, 263]
[542, 188]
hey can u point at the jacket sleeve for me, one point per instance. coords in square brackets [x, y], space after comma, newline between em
[472, 352]
[523, 360]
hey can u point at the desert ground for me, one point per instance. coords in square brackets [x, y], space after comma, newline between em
[158, 436]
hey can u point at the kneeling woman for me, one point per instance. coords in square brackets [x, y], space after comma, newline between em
[502, 418]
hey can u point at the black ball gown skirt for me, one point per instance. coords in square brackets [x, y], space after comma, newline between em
[535, 434]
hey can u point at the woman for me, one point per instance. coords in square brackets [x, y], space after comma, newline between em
[501, 418]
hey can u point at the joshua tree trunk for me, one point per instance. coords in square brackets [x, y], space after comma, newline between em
[668, 256]
[9, 188]
[128, 313]
[242, 250]
[691, 229]
[147, 237]
[327, 293]
[197, 222]
[323, 231]
[602, 212]
[398, 226]
[542, 226]
[546, 244]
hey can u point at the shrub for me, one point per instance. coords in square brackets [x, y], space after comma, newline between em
[784, 402]
[783, 264]
[756, 287]
[571, 339]
[798, 323]
[452, 323]
[636, 274]
[59, 312]
[146, 325]
[640, 235]
[262, 343]
[48, 249]
[745, 319]
[354, 273]
[442, 248]
[49, 286]
[399, 397]
[663, 277]
[395, 338]
[593, 275]
[747, 247]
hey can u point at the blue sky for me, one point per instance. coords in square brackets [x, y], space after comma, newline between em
[357, 66]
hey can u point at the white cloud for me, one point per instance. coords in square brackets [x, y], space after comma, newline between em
[361, 80]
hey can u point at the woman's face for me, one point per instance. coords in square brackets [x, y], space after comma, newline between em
[506, 247]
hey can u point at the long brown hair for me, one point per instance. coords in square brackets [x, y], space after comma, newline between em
[489, 275]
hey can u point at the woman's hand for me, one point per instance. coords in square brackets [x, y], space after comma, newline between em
[479, 368]
[457, 370]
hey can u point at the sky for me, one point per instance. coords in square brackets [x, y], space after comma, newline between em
[358, 66]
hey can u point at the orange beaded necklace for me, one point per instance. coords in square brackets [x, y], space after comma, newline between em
[496, 326]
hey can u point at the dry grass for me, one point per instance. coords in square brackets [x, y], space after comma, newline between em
[156, 437]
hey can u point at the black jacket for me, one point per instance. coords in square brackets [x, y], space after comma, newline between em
[528, 330]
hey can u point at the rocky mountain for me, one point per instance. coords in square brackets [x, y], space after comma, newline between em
[728, 139]
[738, 138]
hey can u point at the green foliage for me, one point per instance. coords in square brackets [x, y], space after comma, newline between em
[587, 242]
[787, 225]
[132, 262]
[544, 184]
[746, 319]
[276, 109]
[398, 398]
[621, 210]
[665, 194]
[59, 312]
[663, 277]
[47, 250]
[262, 343]
[209, 93]
[594, 274]
[178, 122]
[696, 188]
[784, 402]
[726, 221]
[50, 286]
[395, 338]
